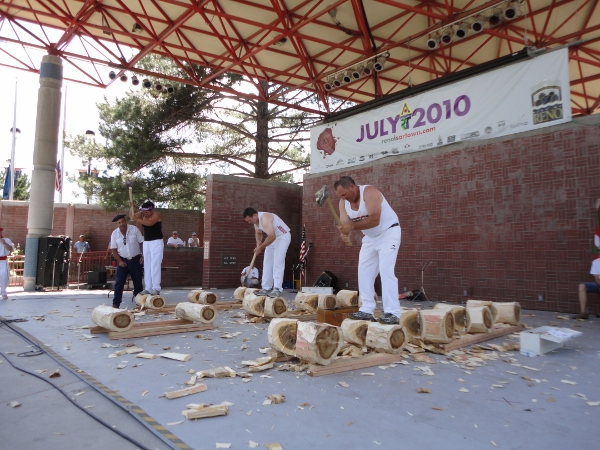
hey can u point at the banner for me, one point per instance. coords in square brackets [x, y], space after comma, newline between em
[520, 97]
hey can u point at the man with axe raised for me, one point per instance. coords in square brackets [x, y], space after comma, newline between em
[364, 208]
[275, 246]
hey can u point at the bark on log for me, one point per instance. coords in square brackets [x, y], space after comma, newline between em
[355, 331]
[508, 312]
[282, 335]
[202, 297]
[305, 301]
[254, 305]
[488, 303]
[275, 307]
[410, 323]
[479, 319]
[437, 326]
[112, 319]
[318, 342]
[196, 312]
[147, 301]
[385, 338]
[238, 294]
[347, 298]
[327, 301]
[459, 313]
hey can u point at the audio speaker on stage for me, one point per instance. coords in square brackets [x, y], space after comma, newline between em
[327, 279]
[54, 253]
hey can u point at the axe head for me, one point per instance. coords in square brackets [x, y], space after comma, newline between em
[321, 195]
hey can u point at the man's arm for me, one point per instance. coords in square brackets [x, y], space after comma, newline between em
[266, 220]
[373, 200]
[115, 254]
[155, 217]
[346, 223]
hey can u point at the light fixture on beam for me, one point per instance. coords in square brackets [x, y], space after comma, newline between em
[337, 81]
[137, 28]
[368, 69]
[124, 78]
[495, 18]
[433, 42]
[446, 36]
[134, 80]
[347, 77]
[112, 75]
[477, 24]
[512, 10]
[328, 84]
[461, 31]
[380, 62]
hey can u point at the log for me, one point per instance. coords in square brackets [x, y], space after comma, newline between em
[479, 319]
[250, 291]
[459, 313]
[202, 297]
[318, 342]
[508, 312]
[410, 323]
[355, 331]
[347, 298]
[488, 303]
[275, 307]
[196, 312]
[326, 301]
[238, 294]
[437, 326]
[254, 305]
[306, 301]
[112, 319]
[385, 338]
[282, 335]
[147, 301]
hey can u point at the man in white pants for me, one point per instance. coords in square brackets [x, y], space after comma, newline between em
[6, 248]
[153, 245]
[275, 246]
[365, 208]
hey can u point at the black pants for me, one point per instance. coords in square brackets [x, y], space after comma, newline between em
[133, 267]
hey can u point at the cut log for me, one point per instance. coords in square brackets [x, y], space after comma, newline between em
[355, 331]
[196, 312]
[479, 319]
[112, 319]
[318, 342]
[326, 301]
[306, 301]
[238, 294]
[508, 312]
[459, 313]
[488, 303]
[410, 323]
[347, 298]
[187, 391]
[206, 411]
[385, 338]
[202, 297]
[437, 326]
[193, 295]
[275, 307]
[254, 305]
[282, 335]
[147, 301]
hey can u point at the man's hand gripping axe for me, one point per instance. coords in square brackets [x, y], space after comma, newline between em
[322, 196]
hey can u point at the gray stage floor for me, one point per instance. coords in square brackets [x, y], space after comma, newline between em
[511, 402]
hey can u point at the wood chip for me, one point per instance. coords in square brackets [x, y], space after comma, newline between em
[55, 374]
[343, 384]
[368, 374]
[187, 391]
[176, 356]
[273, 446]
[422, 390]
[463, 390]
[223, 445]
[14, 404]
[133, 350]
[208, 411]
[568, 382]
[260, 368]
[277, 398]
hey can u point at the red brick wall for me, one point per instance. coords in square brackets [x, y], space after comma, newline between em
[189, 267]
[508, 220]
[230, 235]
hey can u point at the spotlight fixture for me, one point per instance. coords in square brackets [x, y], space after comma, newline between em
[461, 31]
[137, 28]
[512, 10]
[158, 87]
[380, 62]
[123, 78]
[357, 71]
[477, 25]
[134, 80]
[368, 69]
[433, 42]
[347, 77]
[446, 37]
[337, 81]
[112, 75]
[169, 89]
[328, 84]
[146, 83]
[495, 18]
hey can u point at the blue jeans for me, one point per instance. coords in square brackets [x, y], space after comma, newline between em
[133, 268]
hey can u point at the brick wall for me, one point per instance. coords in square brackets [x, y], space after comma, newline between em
[182, 267]
[230, 235]
[508, 220]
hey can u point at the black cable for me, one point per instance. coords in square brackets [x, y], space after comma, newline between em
[105, 394]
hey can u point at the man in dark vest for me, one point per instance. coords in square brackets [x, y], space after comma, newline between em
[154, 246]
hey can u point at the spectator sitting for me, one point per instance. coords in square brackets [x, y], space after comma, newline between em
[589, 287]
[81, 245]
[193, 241]
[175, 241]
[254, 281]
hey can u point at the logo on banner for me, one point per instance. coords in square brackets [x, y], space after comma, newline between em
[326, 142]
[405, 116]
[546, 102]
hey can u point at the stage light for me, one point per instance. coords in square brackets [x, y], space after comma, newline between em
[158, 87]
[380, 63]
[477, 25]
[347, 77]
[169, 89]
[368, 69]
[495, 18]
[433, 42]
[134, 80]
[112, 75]
[328, 84]
[146, 83]
[357, 71]
[337, 81]
[446, 37]
[123, 78]
[461, 31]
[511, 11]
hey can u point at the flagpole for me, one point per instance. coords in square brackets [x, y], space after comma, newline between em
[12, 153]
[62, 153]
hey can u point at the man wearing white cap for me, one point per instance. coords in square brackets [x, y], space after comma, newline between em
[6, 248]
[193, 241]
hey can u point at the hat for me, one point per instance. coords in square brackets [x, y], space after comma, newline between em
[194, 233]
[118, 216]
[147, 206]
[175, 232]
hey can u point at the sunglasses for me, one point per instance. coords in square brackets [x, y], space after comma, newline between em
[124, 241]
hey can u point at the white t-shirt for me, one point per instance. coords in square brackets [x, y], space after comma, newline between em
[4, 252]
[595, 269]
[193, 242]
[175, 241]
[254, 273]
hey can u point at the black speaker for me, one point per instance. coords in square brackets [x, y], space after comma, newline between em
[326, 279]
[54, 253]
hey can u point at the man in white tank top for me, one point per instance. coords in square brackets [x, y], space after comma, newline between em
[275, 246]
[364, 208]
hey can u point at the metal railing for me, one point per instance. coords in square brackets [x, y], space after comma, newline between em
[16, 265]
[82, 263]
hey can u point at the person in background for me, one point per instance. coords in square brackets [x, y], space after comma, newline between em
[81, 245]
[154, 245]
[589, 287]
[6, 248]
[193, 241]
[254, 281]
[175, 241]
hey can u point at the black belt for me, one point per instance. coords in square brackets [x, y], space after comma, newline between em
[129, 259]
[395, 225]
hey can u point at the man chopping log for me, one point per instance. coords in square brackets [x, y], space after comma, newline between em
[364, 208]
[153, 245]
[275, 246]
[125, 247]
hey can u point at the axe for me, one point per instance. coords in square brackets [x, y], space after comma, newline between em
[248, 278]
[322, 196]
[128, 184]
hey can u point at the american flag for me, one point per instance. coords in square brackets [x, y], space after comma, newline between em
[303, 247]
[58, 180]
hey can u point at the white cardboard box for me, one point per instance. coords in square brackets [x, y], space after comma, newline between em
[539, 341]
[317, 290]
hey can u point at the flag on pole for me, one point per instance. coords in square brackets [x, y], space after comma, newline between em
[6, 192]
[58, 180]
[302, 258]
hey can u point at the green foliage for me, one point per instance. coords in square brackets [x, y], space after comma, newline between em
[22, 188]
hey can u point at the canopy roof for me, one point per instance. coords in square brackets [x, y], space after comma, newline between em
[303, 44]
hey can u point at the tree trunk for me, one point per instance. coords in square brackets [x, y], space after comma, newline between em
[147, 301]
[261, 164]
[282, 335]
[306, 302]
[326, 301]
[459, 313]
[112, 319]
[437, 326]
[355, 331]
[275, 307]
[385, 338]
[254, 305]
[196, 312]
[318, 342]
[479, 319]
[488, 303]
[238, 294]
[409, 321]
[347, 298]
[202, 297]
[509, 312]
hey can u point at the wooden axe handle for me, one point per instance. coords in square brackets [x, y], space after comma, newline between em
[336, 217]
[130, 195]
[248, 277]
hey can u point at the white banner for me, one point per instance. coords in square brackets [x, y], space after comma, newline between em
[520, 97]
